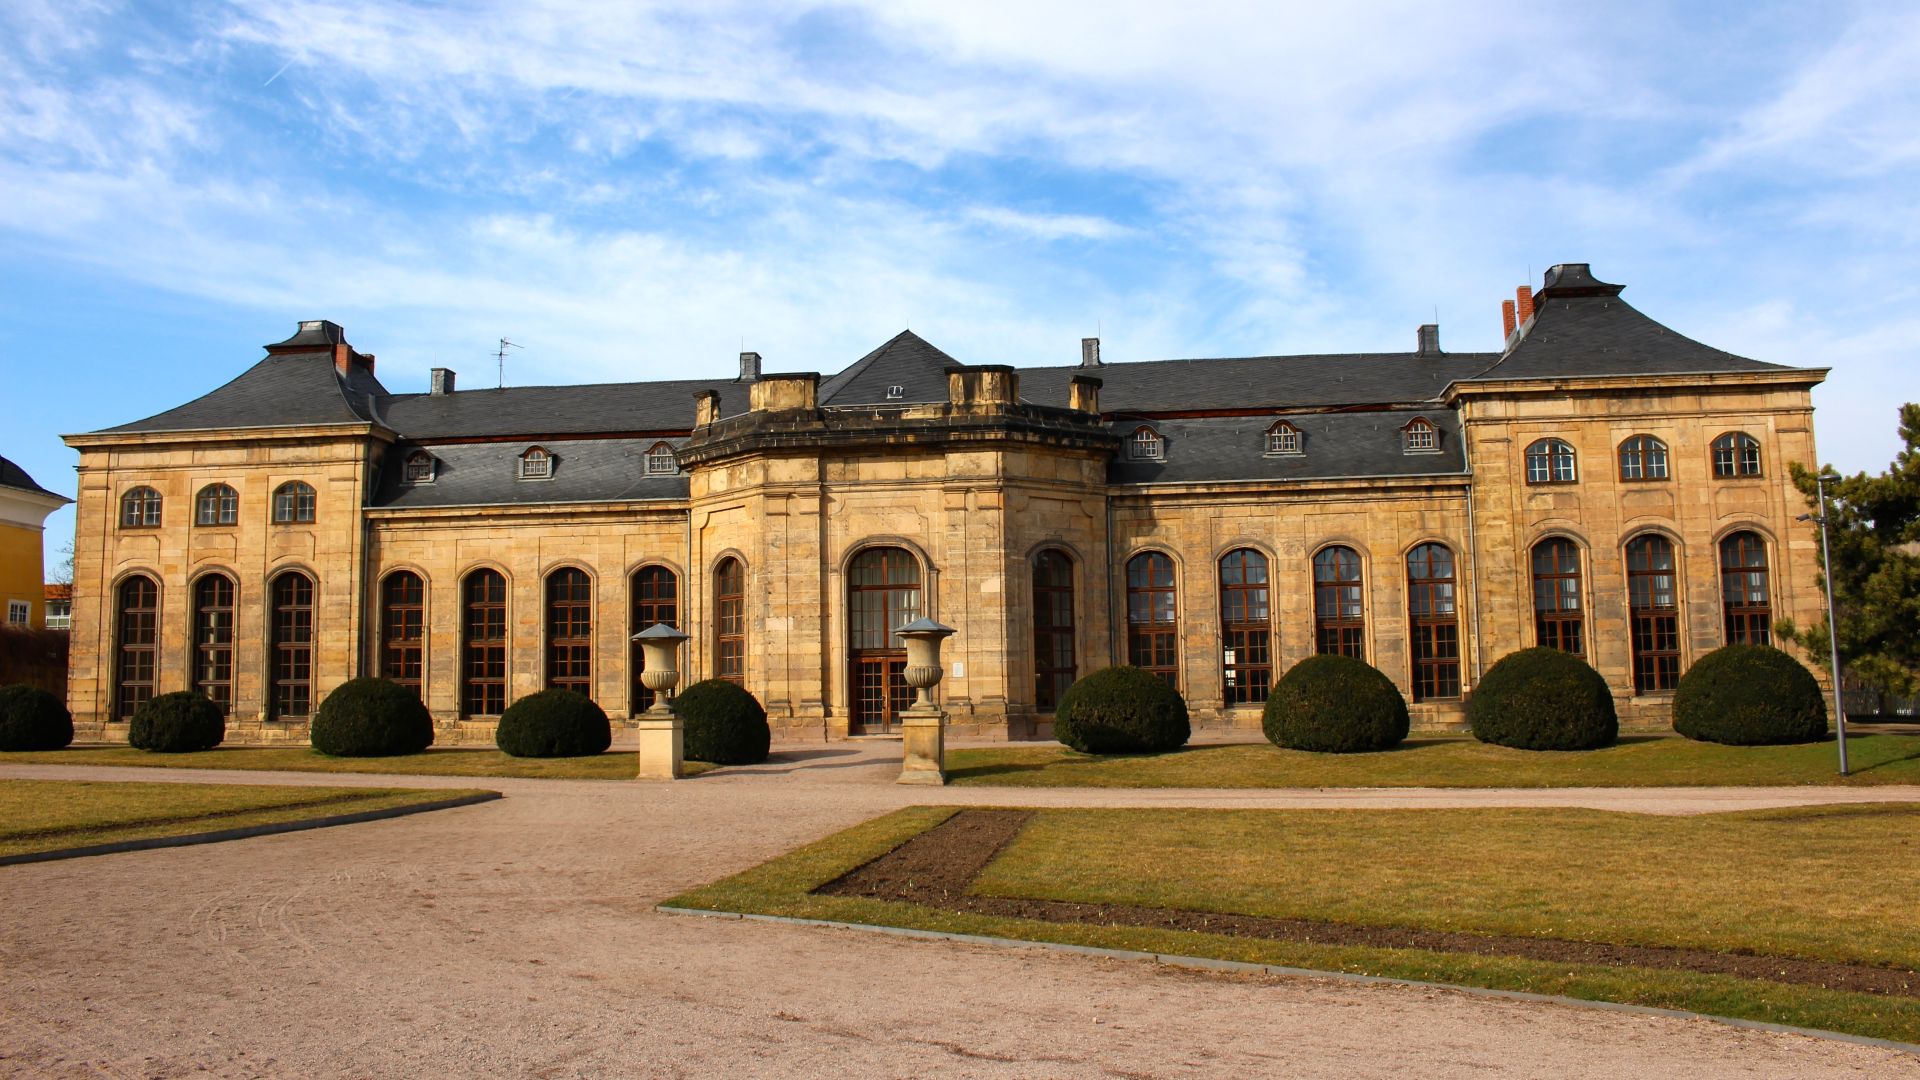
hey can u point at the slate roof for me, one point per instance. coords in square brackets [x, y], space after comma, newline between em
[1261, 382]
[559, 410]
[476, 474]
[289, 390]
[1333, 445]
[14, 476]
[906, 361]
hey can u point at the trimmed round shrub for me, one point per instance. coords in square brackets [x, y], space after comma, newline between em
[33, 719]
[1543, 699]
[554, 723]
[369, 717]
[177, 723]
[722, 723]
[1122, 710]
[1749, 695]
[1335, 705]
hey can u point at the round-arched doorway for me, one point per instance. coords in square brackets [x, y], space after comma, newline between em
[883, 594]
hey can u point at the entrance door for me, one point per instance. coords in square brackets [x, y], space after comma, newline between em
[883, 594]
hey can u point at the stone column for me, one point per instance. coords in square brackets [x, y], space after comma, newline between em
[923, 726]
[662, 739]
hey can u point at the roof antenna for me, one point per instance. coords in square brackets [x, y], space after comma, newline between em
[501, 358]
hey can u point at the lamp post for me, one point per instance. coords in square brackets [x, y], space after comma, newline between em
[662, 739]
[1833, 630]
[923, 725]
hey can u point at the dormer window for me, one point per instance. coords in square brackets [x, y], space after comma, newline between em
[896, 392]
[1283, 438]
[1420, 436]
[1146, 445]
[419, 468]
[536, 464]
[660, 460]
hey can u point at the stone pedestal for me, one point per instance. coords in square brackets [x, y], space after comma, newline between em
[923, 731]
[662, 747]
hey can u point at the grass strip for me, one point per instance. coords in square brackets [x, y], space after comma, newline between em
[449, 762]
[1637, 761]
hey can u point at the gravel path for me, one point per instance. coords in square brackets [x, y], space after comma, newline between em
[517, 938]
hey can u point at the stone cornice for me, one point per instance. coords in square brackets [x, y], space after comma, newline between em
[463, 514]
[929, 426]
[147, 440]
[1788, 377]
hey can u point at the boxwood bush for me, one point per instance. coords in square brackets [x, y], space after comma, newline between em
[1122, 710]
[1543, 699]
[1337, 705]
[33, 719]
[369, 717]
[1749, 695]
[722, 723]
[177, 723]
[553, 723]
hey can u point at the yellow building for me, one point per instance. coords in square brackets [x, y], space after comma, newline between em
[24, 506]
[1602, 484]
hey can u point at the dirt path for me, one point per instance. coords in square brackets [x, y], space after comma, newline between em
[518, 938]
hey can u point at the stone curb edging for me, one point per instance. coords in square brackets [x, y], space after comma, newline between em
[246, 831]
[1241, 966]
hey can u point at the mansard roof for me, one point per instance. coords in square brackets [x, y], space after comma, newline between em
[14, 476]
[1333, 445]
[484, 474]
[1322, 380]
[593, 408]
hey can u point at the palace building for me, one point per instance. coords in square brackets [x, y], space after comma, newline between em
[1603, 485]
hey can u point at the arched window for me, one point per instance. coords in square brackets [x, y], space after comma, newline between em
[1653, 604]
[140, 508]
[403, 629]
[536, 464]
[483, 644]
[1550, 461]
[883, 595]
[1339, 614]
[213, 638]
[1643, 457]
[1283, 438]
[135, 642]
[1743, 590]
[570, 631]
[730, 620]
[1246, 629]
[290, 667]
[1053, 660]
[1146, 445]
[1556, 596]
[656, 599]
[217, 504]
[419, 468]
[293, 503]
[1420, 436]
[660, 460]
[1153, 630]
[1736, 454]
[1434, 614]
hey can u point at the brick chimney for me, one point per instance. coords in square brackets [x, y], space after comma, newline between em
[1083, 394]
[323, 336]
[442, 381]
[1428, 339]
[1523, 303]
[1089, 352]
[1507, 322]
[749, 366]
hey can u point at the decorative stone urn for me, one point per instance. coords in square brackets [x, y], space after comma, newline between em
[662, 738]
[923, 726]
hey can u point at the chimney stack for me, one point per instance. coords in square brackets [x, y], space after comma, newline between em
[749, 366]
[1523, 303]
[1506, 319]
[1428, 337]
[1089, 352]
[442, 381]
[1083, 394]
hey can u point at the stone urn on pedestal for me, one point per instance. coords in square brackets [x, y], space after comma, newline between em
[923, 726]
[662, 738]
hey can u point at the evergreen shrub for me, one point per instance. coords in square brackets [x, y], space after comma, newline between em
[553, 723]
[1749, 695]
[33, 719]
[722, 723]
[1336, 705]
[1122, 710]
[369, 717]
[177, 723]
[1543, 699]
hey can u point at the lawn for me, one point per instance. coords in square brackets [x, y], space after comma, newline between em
[1643, 761]
[49, 815]
[609, 766]
[1756, 882]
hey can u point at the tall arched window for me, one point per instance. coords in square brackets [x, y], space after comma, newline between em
[1736, 454]
[217, 504]
[1339, 613]
[135, 641]
[883, 595]
[570, 631]
[1653, 604]
[213, 638]
[403, 629]
[1550, 461]
[1743, 590]
[1556, 596]
[483, 644]
[1434, 614]
[140, 508]
[1053, 659]
[1153, 629]
[656, 599]
[290, 663]
[293, 503]
[730, 620]
[1246, 629]
[1643, 457]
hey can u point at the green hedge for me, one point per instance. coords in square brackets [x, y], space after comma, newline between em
[177, 723]
[722, 723]
[33, 719]
[1749, 695]
[369, 717]
[553, 723]
[1122, 710]
[1336, 705]
[1543, 699]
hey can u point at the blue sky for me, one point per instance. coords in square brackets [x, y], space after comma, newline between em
[639, 191]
